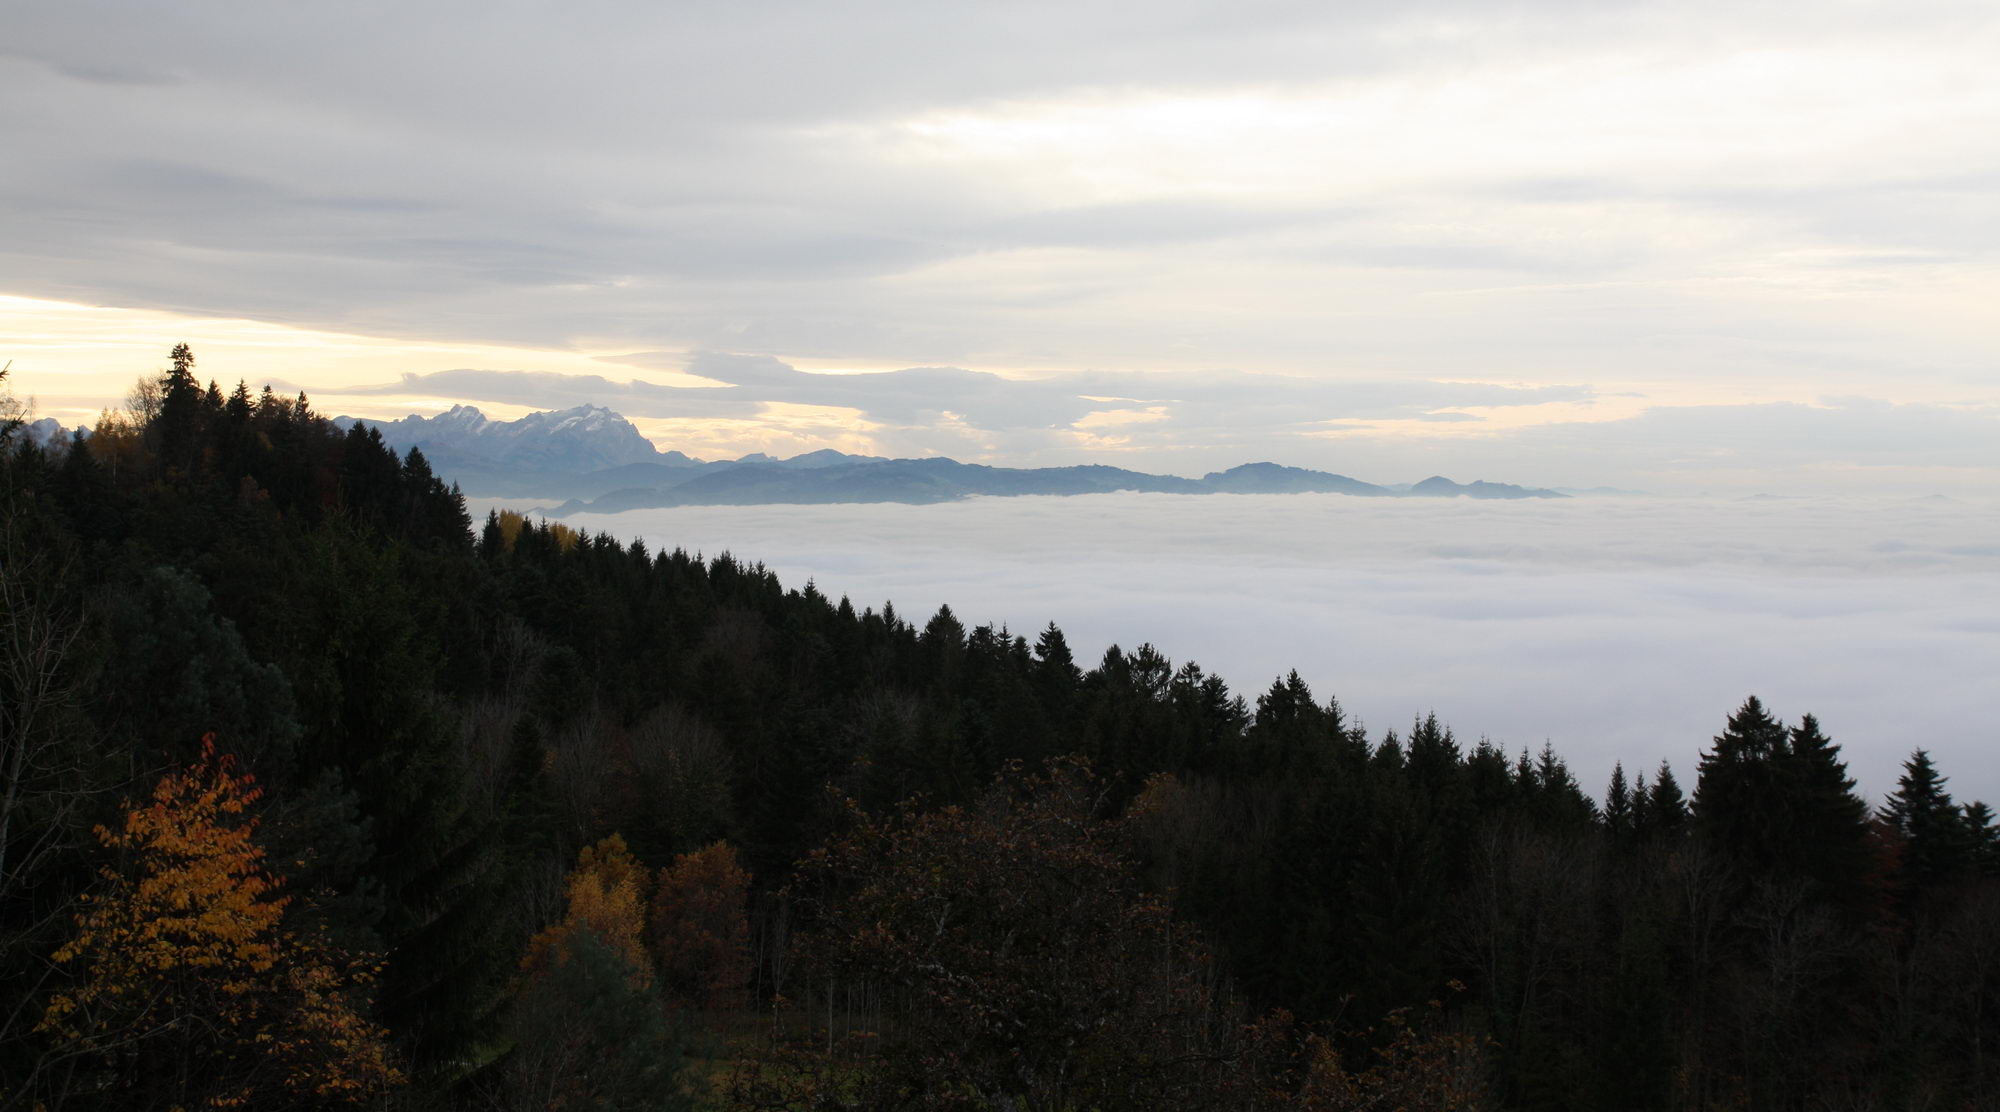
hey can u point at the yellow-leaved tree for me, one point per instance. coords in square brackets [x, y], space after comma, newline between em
[188, 989]
[587, 1029]
[606, 900]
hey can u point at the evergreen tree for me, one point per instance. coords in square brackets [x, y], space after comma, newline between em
[1434, 760]
[1826, 823]
[1288, 729]
[1738, 797]
[1666, 807]
[1936, 845]
[1983, 837]
[239, 407]
[492, 541]
[1559, 801]
[1618, 805]
[180, 410]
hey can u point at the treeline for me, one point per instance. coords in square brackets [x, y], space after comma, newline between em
[318, 792]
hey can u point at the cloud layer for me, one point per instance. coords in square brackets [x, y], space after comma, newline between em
[1618, 629]
[1707, 205]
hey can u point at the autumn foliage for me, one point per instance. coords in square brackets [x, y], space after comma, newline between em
[699, 931]
[606, 900]
[588, 1029]
[190, 990]
[1025, 966]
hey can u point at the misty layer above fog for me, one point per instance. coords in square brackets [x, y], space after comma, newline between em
[601, 463]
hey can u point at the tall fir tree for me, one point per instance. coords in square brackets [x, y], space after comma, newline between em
[1935, 842]
[1827, 835]
[1618, 805]
[1666, 806]
[1738, 795]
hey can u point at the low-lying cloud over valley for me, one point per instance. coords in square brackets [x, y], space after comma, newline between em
[1618, 629]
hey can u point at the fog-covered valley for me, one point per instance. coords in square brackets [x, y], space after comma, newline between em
[1616, 628]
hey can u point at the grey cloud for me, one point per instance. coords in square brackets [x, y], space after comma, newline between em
[1848, 444]
[1141, 223]
[1785, 433]
[918, 396]
[687, 177]
[907, 396]
[783, 61]
[136, 73]
[635, 140]
[1377, 238]
[1903, 218]
[549, 390]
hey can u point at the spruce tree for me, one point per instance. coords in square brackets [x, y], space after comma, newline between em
[239, 406]
[1434, 759]
[1738, 797]
[1618, 805]
[180, 410]
[1560, 800]
[1936, 845]
[1826, 832]
[1666, 807]
[1982, 837]
[492, 541]
[1641, 808]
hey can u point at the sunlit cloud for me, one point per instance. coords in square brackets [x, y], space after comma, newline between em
[79, 359]
[1113, 418]
[779, 429]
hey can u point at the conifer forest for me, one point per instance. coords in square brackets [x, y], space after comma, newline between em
[318, 792]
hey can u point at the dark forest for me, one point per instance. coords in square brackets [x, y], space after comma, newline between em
[319, 793]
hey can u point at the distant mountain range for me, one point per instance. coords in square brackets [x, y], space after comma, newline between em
[599, 463]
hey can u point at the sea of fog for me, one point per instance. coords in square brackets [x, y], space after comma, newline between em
[1616, 628]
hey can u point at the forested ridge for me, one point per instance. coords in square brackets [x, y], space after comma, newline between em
[319, 793]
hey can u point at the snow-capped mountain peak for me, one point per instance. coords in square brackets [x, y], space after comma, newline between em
[580, 439]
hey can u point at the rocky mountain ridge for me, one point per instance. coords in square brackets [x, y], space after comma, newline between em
[594, 460]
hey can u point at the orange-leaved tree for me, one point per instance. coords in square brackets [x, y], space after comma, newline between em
[190, 990]
[606, 898]
[701, 929]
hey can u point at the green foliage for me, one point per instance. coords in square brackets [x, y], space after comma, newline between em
[584, 1037]
[184, 671]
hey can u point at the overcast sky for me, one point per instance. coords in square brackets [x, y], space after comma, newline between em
[1678, 246]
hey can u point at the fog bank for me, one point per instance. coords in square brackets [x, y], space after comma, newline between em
[1616, 628]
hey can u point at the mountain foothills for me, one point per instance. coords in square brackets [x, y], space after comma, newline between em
[318, 793]
[599, 462]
